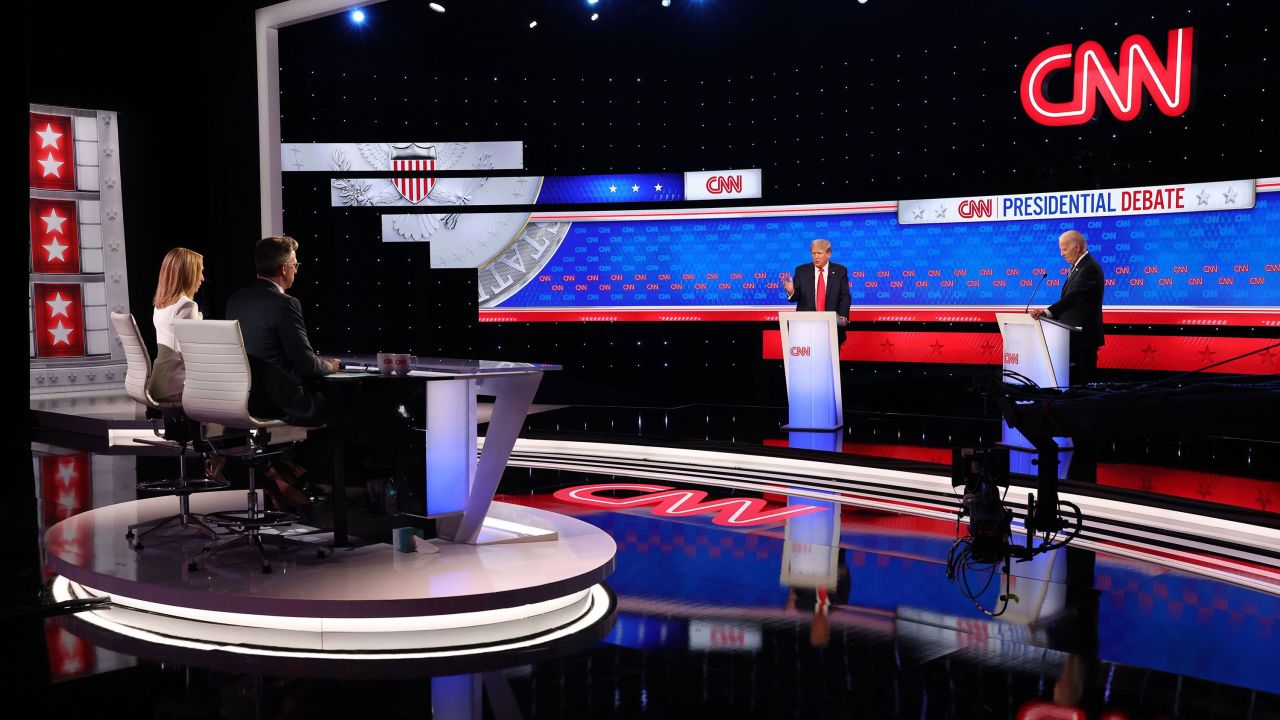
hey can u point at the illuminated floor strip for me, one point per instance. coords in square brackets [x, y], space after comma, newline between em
[1232, 551]
[393, 640]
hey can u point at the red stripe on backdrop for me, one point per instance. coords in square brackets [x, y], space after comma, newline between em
[1122, 352]
[1206, 318]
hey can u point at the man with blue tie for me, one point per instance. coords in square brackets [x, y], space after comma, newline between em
[821, 286]
[1080, 305]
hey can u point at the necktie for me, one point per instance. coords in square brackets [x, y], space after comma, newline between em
[821, 302]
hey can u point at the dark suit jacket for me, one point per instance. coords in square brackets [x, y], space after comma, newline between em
[1081, 303]
[283, 365]
[838, 299]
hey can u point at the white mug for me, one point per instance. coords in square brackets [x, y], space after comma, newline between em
[402, 363]
[386, 363]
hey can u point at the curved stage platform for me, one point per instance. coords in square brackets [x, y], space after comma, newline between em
[1181, 535]
[369, 601]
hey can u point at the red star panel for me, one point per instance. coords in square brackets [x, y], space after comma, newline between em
[52, 160]
[55, 236]
[59, 319]
[66, 483]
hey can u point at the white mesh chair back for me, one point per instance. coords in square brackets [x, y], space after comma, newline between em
[138, 371]
[218, 379]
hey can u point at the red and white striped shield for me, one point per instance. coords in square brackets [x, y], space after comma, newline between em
[414, 189]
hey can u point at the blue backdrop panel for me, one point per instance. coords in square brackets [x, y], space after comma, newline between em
[1213, 259]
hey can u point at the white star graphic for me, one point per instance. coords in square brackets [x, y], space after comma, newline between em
[61, 334]
[613, 188]
[67, 471]
[50, 166]
[48, 137]
[1229, 197]
[635, 188]
[657, 188]
[52, 222]
[1202, 198]
[59, 306]
[56, 250]
[942, 211]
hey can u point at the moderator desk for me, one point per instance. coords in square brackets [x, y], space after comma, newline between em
[459, 490]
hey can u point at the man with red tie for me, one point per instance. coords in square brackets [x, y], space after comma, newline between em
[821, 286]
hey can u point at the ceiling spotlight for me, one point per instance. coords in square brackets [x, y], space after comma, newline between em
[357, 16]
[595, 16]
[862, 2]
[666, 3]
[592, 2]
[533, 24]
[436, 6]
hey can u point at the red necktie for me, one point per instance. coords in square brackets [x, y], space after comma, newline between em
[821, 302]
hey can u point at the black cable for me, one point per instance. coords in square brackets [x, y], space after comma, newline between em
[65, 607]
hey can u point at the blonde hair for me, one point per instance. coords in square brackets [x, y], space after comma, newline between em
[179, 275]
[821, 244]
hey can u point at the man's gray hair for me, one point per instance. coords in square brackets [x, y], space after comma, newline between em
[820, 244]
[1075, 238]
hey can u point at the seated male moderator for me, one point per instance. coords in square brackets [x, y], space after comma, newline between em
[285, 369]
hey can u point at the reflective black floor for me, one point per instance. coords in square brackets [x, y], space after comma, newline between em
[842, 614]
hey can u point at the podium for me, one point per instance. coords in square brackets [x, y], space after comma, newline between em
[811, 364]
[1039, 350]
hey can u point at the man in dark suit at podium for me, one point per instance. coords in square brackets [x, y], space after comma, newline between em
[821, 286]
[1080, 305]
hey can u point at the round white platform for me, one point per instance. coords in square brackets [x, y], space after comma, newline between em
[358, 600]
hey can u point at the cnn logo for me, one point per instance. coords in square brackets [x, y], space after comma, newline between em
[975, 208]
[718, 184]
[1168, 82]
[1010, 358]
[800, 351]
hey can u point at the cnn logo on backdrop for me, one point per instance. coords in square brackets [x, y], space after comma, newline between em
[1167, 81]
[800, 351]
[720, 184]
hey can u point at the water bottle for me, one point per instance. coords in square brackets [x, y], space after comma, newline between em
[392, 498]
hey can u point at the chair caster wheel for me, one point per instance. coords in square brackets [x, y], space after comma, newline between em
[192, 567]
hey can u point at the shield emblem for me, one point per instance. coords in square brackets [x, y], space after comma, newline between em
[417, 158]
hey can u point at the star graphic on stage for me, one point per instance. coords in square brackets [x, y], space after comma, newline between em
[1202, 197]
[1268, 358]
[58, 306]
[67, 471]
[937, 347]
[53, 222]
[48, 137]
[886, 346]
[987, 347]
[1206, 355]
[61, 334]
[657, 188]
[56, 250]
[51, 166]
[1229, 197]
[1149, 352]
[941, 212]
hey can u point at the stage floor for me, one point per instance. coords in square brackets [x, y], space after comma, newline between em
[720, 620]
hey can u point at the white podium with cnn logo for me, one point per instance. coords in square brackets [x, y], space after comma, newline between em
[811, 363]
[1038, 350]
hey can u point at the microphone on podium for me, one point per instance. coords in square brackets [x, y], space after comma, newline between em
[1043, 275]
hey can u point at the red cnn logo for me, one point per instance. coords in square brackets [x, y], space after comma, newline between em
[1169, 83]
[800, 351]
[669, 502]
[717, 184]
[975, 208]
[1011, 359]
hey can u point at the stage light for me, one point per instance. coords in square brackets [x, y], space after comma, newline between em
[357, 16]
[666, 3]
[436, 6]
[862, 2]
[533, 24]
[592, 2]
[594, 16]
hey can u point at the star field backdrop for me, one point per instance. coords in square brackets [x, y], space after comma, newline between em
[836, 101]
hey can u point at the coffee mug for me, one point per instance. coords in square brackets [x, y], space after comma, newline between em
[386, 363]
[402, 363]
